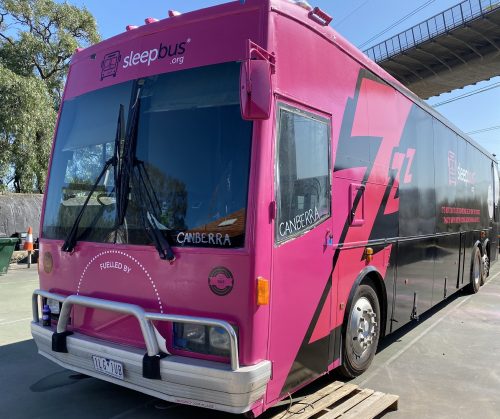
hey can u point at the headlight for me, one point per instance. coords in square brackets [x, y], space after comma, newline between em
[194, 333]
[189, 337]
[202, 339]
[219, 338]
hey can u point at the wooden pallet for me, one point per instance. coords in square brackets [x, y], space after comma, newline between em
[341, 400]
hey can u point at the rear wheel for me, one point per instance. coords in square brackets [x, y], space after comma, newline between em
[476, 270]
[362, 332]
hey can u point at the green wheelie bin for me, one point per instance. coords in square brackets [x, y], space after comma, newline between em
[7, 246]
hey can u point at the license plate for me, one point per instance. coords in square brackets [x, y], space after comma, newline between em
[108, 366]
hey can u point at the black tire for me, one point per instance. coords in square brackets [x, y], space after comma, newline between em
[476, 271]
[356, 358]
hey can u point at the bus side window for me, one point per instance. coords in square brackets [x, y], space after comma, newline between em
[303, 167]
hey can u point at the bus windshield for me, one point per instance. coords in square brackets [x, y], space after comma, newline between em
[192, 158]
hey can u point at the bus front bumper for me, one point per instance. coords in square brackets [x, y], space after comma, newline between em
[214, 385]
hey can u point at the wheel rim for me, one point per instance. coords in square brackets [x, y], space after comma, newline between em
[363, 326]
[477, 270]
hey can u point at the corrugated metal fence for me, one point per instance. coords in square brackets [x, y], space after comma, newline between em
[18, 212]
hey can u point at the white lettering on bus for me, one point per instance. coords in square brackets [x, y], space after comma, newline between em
[115, 265]
[465, 175]
[204, 238]
[299, 222]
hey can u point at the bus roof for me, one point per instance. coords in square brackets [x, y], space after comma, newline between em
[287, 9]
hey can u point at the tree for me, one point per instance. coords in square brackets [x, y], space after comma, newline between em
[27, 118]
[37, 40]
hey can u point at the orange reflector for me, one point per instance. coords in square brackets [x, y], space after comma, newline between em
[369, 254]
[262, 291]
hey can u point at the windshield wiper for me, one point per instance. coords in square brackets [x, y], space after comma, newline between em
[119, 140]
[149, 208]
[133, 171]
[71, 239]
[126, 161]
[128, 169]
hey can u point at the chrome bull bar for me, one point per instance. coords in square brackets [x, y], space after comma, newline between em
[151, 363]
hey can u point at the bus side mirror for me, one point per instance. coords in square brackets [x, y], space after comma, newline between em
[255, 89]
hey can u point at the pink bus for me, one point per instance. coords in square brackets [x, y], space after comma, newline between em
[239, 201]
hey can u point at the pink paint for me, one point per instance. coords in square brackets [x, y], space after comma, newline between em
[317, 71]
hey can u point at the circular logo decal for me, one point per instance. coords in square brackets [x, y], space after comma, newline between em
[220, 281]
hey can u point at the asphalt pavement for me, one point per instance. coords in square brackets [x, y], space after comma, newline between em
[445, 366]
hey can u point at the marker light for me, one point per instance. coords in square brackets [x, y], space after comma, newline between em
[131, 27]
[302, 3]
[174, 13]
[149, 20]
[262, 291]
[369, 254]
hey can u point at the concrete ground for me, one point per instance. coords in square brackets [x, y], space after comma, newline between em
[447, 365]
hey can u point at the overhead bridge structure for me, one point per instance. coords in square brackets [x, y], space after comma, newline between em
[453, 49]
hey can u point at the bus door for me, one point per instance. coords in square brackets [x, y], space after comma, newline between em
[302, 251]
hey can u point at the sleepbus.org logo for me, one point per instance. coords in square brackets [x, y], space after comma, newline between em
[173, 52]
[165, 51]
[457, 173]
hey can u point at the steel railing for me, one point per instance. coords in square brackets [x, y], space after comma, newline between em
[443, 22]
[144, 319]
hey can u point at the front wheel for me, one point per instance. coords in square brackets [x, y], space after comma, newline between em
[362, 332]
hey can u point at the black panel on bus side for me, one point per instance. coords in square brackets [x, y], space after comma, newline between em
[446, 202]
[415, 256]
[448, 149]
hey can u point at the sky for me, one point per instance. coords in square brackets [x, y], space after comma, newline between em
[356, 20]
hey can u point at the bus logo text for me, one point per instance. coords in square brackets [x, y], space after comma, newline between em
[175, 52]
